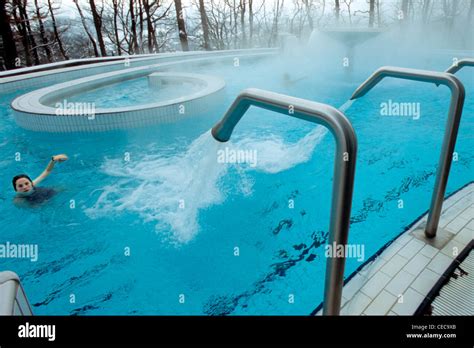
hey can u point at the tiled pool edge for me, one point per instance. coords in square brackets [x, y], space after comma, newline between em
[364, 272]
[42, 79]
[432, 296]
[31, 112]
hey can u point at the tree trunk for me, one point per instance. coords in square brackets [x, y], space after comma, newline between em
[378, 14]
[44, 40]
[98, 28]
[117, 40]
[56, 33]
[234, 26]
[405, 10]
[205, 25]
[242, 23]
[9, 48]
[140, 35]
[133, 43]
[308, 14]
[371, 13]
[21, 27]
[84, 24]
[337, 10]
[276, 19]
[152, 44]
[251, 23]
[31, 38]
[183, 36]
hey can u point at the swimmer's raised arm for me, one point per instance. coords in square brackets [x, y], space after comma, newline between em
[49, 168]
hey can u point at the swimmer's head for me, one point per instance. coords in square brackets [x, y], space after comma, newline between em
[22, 183]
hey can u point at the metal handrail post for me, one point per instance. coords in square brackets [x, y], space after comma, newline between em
[16, 298]
[450, 134]
[460, 64]
[344, 169]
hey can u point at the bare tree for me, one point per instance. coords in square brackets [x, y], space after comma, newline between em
[204, 25]
[404, 10]
[277, 10]
[133, 42]
[349, 12]
[371, 13]
[23, 27]
[9, 47]
[56, 32]
[44, 39]
[183, 36]
[152, 44]
[140, 22]
[307, 4]
[35, 31]
[379, 23]
[84, 24]
[98, 27]
[251, 14]
[24, 18]
[115, 5]
[450, 10]
[242, 8]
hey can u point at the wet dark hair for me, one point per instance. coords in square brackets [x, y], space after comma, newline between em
[15, 179]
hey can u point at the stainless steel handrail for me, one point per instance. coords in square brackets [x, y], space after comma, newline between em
[13, 300]
[450, 135]
[344, 169]
[460, 64]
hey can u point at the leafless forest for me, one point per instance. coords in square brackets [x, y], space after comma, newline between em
[36, 32]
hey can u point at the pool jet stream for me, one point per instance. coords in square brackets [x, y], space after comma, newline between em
[451, 129]
[344, 169]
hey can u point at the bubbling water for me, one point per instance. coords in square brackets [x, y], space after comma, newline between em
[171, 191]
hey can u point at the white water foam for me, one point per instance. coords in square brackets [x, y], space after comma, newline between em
[276, 155]
[346, 105]
[167, 190]
[171, 191]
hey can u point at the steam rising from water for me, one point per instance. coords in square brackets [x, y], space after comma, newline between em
[171, 191]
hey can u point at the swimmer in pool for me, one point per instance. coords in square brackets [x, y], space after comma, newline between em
[27, 190]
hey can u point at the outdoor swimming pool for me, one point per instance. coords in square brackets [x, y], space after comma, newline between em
[159, 194]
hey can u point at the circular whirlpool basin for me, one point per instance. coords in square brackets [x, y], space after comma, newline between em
[49, 110]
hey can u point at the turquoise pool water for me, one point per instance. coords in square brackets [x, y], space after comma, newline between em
[132, 93]
[181, 215]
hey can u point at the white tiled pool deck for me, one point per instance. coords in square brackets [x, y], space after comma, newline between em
[398, 280]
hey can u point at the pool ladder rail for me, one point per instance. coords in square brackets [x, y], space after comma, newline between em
[13, 300]
[344, 168]
[346, 143]
[460, 64]
[451, 129]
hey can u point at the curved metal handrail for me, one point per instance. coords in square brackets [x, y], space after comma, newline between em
[14, 297]
[460, 64]
[450, 135]
[344, 169]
